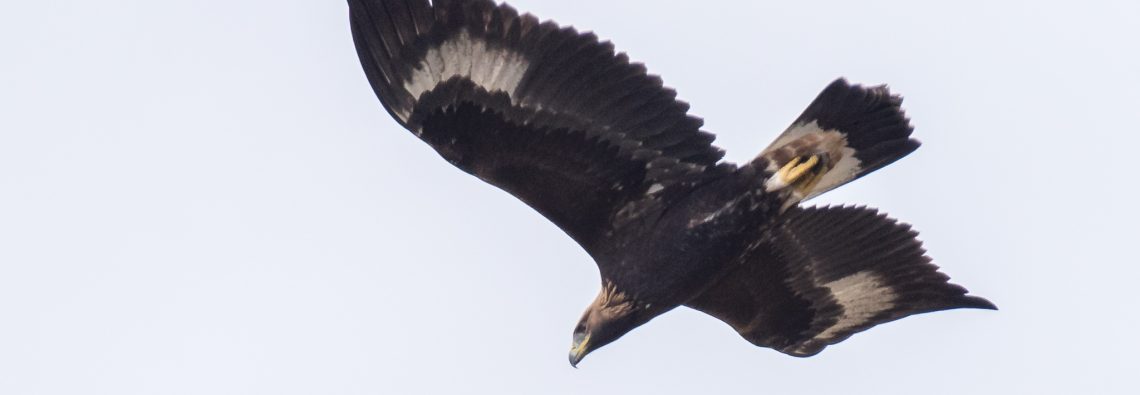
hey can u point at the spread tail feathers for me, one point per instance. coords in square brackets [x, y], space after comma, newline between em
[846, 133]
[826, 274]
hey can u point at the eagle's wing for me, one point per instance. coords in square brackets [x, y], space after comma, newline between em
[550, 115]
[827, 274]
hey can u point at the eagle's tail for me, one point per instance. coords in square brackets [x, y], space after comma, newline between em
[846, 133]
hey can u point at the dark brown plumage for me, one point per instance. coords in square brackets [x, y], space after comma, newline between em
[603, 150]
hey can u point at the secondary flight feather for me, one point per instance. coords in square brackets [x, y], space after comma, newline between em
[608, 154]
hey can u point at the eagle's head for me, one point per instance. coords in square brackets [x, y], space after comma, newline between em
[613, 314]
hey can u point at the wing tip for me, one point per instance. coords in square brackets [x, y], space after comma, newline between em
[976, 302]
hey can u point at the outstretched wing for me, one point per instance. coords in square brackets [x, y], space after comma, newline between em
[827, 274]
[550, 115]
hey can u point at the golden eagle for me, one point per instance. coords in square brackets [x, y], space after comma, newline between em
[602, 149]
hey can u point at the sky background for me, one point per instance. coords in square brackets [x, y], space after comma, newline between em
[205, 197]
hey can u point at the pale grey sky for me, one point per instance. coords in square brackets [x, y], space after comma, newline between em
[206, 198]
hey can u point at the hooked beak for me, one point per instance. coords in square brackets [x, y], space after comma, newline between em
[579, 349]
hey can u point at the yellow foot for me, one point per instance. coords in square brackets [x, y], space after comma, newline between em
[802, 173]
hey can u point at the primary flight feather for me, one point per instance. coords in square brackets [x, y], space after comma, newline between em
[606, 152]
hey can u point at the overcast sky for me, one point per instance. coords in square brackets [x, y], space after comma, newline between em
[205, 197]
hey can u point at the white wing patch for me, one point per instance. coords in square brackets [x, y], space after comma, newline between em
[491, 67]
[862, 296]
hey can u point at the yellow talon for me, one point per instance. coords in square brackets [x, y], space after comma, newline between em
[801, 173]
[792, 172]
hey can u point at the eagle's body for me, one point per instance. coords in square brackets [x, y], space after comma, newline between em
[607, 153]
[668, 267]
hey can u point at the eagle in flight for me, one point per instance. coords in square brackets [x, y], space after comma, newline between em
[601, 148]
